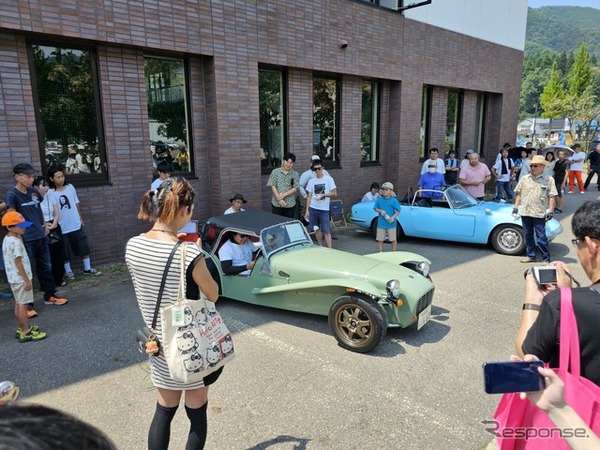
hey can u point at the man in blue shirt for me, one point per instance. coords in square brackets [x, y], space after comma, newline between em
[432, 180]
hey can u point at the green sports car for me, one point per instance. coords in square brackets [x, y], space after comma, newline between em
[361, 295]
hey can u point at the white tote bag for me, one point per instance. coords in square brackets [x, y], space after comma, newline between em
[195, 340]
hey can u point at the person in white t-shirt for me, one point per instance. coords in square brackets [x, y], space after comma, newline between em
[164, 172]
[320, 190]
[373, 193]
[236, 255]
[433, 157]
[576, 169]
[71, 223]
[236, 204]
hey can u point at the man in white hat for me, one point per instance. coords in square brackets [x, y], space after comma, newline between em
[535, 193]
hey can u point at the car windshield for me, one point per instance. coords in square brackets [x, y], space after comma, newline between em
[459, 198]
[282, 236]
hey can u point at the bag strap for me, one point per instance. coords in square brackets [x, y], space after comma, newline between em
[162, 284]
[181, 293]
[569, 335]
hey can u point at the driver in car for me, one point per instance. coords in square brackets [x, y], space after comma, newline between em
[236, 255]
[431, 179]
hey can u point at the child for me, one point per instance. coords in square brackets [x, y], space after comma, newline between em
[164, 172]
[71, 224]
[388, 208]
[18, 272]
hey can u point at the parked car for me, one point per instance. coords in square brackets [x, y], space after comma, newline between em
[361, 295]
[456, 216]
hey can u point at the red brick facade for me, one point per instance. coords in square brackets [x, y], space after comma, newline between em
[224, 42]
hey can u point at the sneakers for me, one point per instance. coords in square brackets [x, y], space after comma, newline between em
[557, 211]
[570, 192]
[31, 335]
[527, 260]
[93, 271]
[70, 276]
[31, 313]
[582, 192]
[32, 328]
[57, 301]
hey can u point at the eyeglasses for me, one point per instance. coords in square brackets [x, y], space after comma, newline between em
[576, 241]
[318, 168]
[535, 165]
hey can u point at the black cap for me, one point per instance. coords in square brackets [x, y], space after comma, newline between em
[238, 197]
[507, 145]
[25, 168]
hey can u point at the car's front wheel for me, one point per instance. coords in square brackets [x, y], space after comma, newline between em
[508, 240]
[357, 324]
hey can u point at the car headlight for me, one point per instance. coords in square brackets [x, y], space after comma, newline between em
[423, 267]
[393, 288]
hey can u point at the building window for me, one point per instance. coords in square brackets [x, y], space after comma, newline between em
[272, 111]
[480, 125]
[326, 119]
[452, 121]
[425, 122]
[67, 100]
[369, 130]
[168, 113]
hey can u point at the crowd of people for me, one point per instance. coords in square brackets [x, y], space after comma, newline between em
[37, 207]
[44, 231]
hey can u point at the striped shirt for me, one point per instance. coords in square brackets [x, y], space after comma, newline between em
[146, 259]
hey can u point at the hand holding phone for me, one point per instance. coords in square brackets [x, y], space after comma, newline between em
[512, 376]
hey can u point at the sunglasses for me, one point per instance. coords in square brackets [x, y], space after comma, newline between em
[318, 168]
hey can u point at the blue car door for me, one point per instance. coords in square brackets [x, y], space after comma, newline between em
[438, 219]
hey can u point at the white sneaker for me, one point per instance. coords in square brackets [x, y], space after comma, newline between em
[70, 276]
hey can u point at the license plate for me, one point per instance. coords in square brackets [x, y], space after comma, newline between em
[424, 317]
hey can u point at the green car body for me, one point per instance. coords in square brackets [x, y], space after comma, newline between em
[292, 273]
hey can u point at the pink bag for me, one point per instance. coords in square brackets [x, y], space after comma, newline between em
[524, 426]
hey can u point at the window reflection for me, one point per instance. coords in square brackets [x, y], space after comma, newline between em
[168, 113]
[272, 117]
[369, 122]
[325, 118]
[67, 109]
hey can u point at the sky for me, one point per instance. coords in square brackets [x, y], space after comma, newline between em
[538, 3]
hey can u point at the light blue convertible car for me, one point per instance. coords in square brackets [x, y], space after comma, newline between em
[455, 216]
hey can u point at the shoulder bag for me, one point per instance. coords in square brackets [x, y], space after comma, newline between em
[196, 341]
[517, 418]
[145, 337]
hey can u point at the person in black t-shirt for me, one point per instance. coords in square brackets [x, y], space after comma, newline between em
[539, 330]
[561, 172]
[594, 160]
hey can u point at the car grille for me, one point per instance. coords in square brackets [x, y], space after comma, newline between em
[424, 302]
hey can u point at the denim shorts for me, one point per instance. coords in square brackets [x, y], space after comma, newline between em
[320, 218]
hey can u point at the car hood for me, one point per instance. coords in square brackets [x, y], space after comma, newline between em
[314, 262]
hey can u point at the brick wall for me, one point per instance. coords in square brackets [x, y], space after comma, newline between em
[224, 43]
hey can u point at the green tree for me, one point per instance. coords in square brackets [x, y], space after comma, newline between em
[552, 98]
[580, 75]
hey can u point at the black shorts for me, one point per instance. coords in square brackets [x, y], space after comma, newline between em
[76, 244]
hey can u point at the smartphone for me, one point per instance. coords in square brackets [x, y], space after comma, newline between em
[512, 376]
[545, 274]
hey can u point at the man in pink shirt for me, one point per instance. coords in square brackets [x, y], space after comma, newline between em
[474, 176]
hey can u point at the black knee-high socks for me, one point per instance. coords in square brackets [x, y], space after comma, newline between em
[198, 427]
[160, 428]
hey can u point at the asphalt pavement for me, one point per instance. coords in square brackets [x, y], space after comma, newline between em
[291, 386]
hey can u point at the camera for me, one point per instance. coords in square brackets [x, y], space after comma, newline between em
[544, 275]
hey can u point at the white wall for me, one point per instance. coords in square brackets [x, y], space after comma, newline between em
[500, 21]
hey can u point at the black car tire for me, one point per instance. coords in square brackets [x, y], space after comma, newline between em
[508, 240]
[399, 230]
[358, 324]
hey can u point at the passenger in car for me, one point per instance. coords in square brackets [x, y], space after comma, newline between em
[236, 255]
